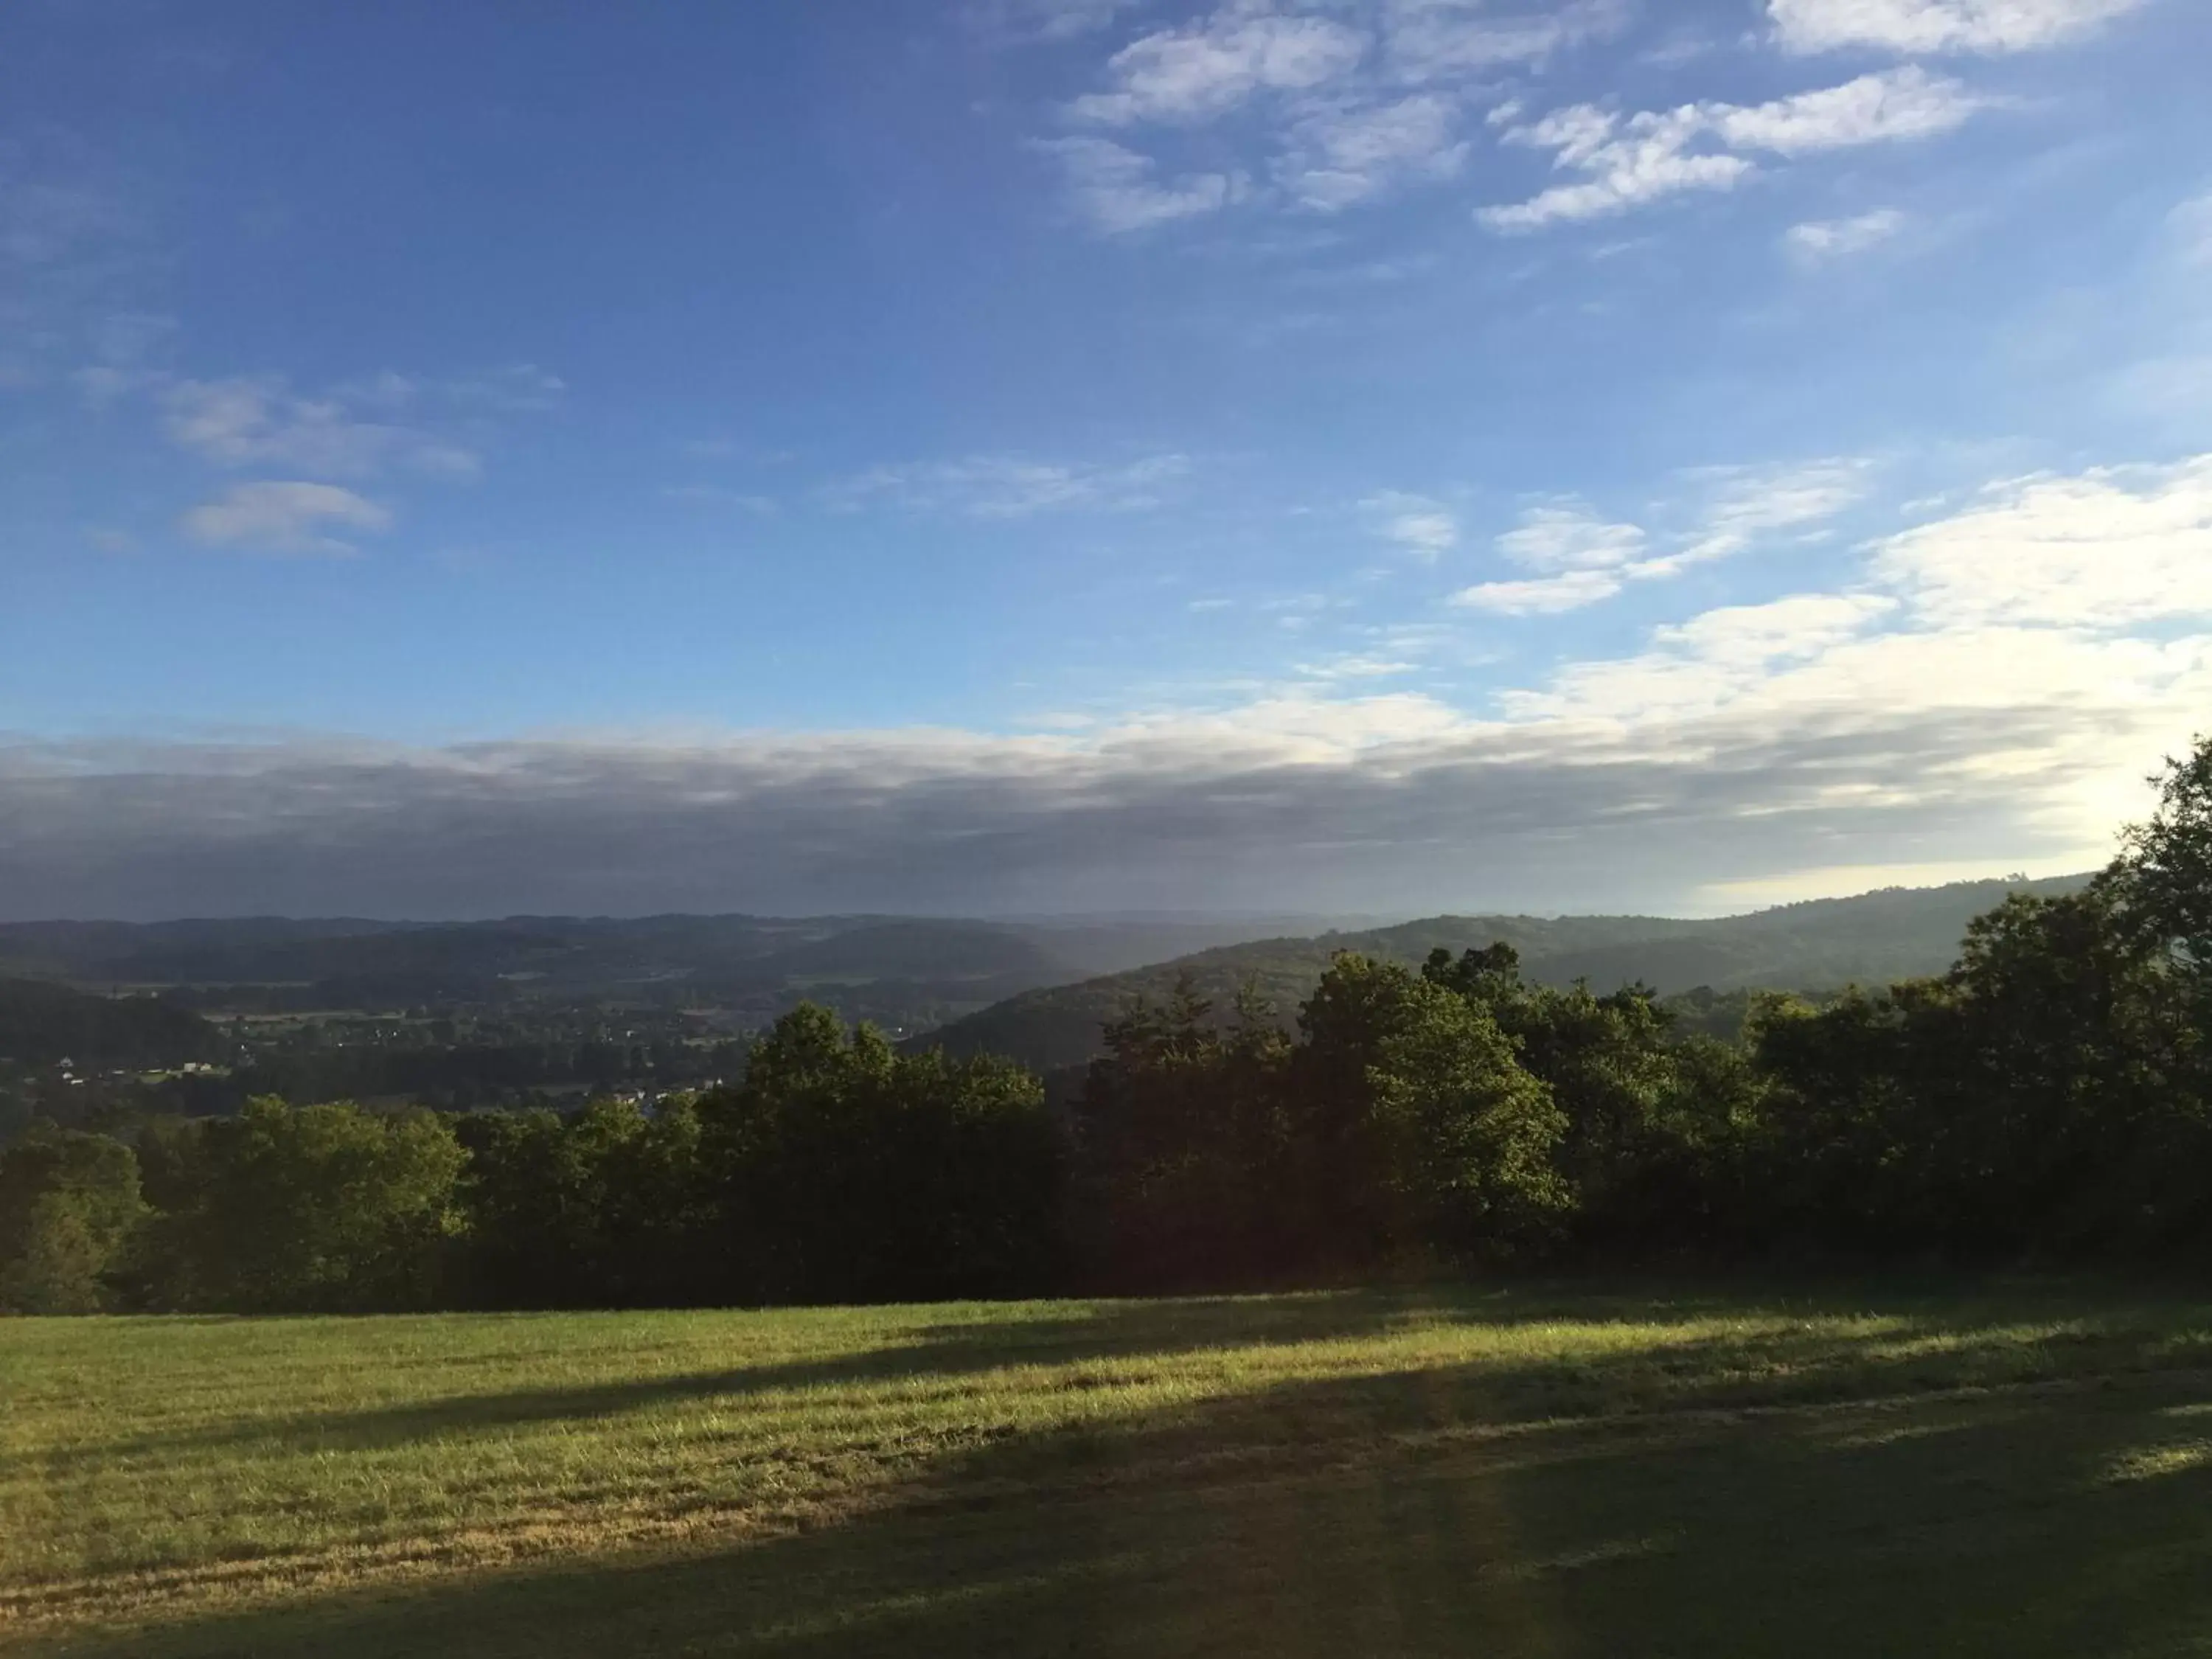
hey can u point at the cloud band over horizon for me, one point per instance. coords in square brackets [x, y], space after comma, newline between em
[1519, 816]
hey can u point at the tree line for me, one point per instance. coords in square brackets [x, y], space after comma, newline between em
[2049, 1099]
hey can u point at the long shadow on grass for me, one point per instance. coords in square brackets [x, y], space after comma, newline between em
[948, 1349]
[2003, 1496]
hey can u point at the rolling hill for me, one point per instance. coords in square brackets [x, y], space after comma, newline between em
[907, 973]
[1036, 990]
[1822, 944]
[41, 1024]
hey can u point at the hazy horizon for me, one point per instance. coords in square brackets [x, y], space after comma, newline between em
[1291, 922]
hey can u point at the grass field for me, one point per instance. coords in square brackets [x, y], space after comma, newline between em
[2009, 1470]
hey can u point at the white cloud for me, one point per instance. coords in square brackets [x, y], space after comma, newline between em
[1342, 155]
[257, 421]
[2063, 722]
[1819, 240]
[1935, 26]
[1013, 486]
[1426, 533]
[2060, 726]
[1432, 40]
[2010, 619]
[1356, 666]
[1353, 100]
[1707, 666]
[1541, 596]
[1640, 161]
[1900, 103]
[1583, 558]
[2106, 548]
[1644, 157]
[240, 422]
[1114, 188]
[1745, 504]
[283, 518]
[1195, 73]
[1804, 625]
[1571, 537]
[2020, 601]
[1421, 527]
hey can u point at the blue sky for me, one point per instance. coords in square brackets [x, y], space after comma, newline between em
[1384, 454]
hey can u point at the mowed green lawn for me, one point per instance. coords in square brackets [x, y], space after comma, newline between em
[2007, 1470]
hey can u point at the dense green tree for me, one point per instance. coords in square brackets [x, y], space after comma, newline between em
[1850, 1087]
[648, 1207]
[70, 1211]
[1399, 1129]
[309, 1208]
[1466, 1134]
[2062, 1091]
[605, 1207]
[1189, 1145]
[1606, 1059]
[1353, 1196]
[1689, 1183]
[59, 1263]
[840, 1169]
[2047, 1098]
[2162, 881]
[1655, 1128]
[528, 1201]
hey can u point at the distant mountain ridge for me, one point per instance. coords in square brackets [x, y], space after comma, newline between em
[1817, 944]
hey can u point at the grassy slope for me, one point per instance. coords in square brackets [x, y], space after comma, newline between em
[2023, 1471]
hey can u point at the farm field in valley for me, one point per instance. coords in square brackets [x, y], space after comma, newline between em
[2017, 1467]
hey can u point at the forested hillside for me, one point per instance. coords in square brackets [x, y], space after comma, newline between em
[1822, 944]
[42, 1025]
